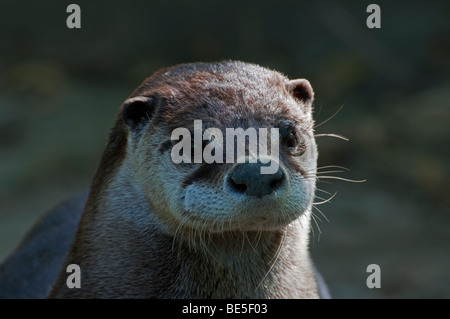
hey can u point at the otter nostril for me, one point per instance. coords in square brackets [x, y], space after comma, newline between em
[276, 182]
[238, 187]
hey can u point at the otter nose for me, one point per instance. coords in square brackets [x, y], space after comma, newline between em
[247, 179]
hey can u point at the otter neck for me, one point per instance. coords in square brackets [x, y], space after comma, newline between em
[245, 265]
[119, 234]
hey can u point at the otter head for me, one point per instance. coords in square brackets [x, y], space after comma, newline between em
[182, 124]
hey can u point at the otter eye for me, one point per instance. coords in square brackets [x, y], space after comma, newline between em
[290, 140]
[288, 134]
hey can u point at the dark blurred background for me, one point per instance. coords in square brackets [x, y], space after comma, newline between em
[60, 90]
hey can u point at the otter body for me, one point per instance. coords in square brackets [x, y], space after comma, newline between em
[154, 228]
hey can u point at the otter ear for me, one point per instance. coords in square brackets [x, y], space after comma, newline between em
[138, 110]
[302, 90]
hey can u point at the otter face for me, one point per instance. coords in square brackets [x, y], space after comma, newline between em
[222, 195]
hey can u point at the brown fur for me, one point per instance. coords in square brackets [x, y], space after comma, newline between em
[134, 240]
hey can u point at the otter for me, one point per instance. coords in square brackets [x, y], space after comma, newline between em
[153, 228]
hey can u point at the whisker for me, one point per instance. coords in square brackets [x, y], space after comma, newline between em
[313, 233]
[317, 225]
[315, 216]
[321, 213]
[342, 106]
[259, 236]
[202, 236]
[183, 221]
[318, 113]
[244, 236]
[342, 179]
[329, 172]
[333, 166]
[325, 182]
[325, 201]
[323, 191]
[275, 258]
[341, 137]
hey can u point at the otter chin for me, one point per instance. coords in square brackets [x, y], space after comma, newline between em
[173, 212]
[256, 203]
